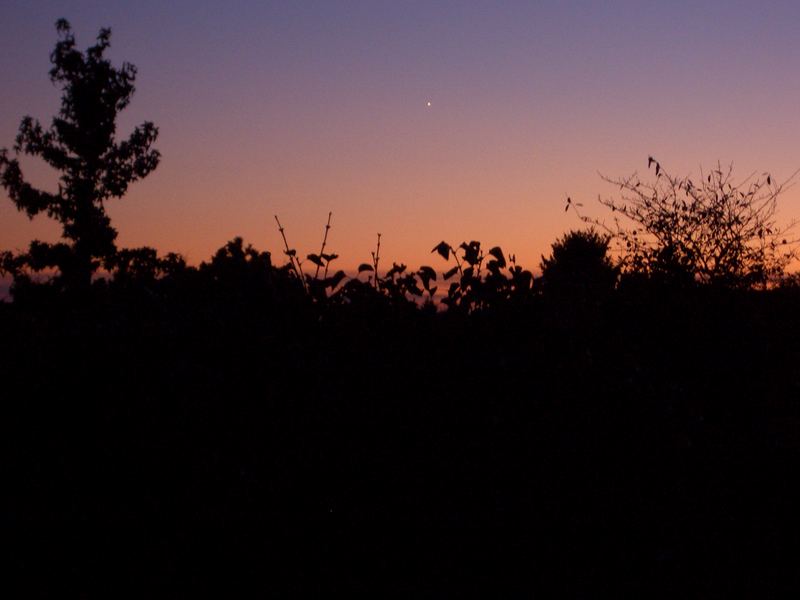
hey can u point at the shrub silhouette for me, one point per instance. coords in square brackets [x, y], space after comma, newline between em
[482, 281]
[711, 230]
[81, 144]
[579, 265]
[142, 267]
[479, 281]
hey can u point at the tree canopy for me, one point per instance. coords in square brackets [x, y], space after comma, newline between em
[81, 143]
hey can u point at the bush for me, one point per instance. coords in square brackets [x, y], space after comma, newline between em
[579, 265]
[712, 230]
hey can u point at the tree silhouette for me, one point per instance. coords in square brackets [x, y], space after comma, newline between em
[81, 144]
[579, 265]
[711, 230]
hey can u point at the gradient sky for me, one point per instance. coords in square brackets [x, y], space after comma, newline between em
[301, 107]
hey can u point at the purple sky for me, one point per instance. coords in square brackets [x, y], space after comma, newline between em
[298, 108]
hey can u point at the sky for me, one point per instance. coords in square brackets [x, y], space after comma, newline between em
[298, 108]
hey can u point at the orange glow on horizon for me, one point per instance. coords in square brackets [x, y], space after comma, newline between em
[418, 122]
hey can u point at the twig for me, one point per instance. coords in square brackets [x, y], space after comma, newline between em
[295, 262]
[375, 258]
[458, 263]
[322, 250]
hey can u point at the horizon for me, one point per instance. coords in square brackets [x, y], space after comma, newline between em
[420, 122]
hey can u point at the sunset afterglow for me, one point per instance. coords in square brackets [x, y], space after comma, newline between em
[298, 109]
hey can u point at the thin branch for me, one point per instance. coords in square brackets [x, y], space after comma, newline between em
[376, 256]
[322, 250]
[297, 266]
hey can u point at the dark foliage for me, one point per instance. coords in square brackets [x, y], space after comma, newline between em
[579, 266]
[222, 427]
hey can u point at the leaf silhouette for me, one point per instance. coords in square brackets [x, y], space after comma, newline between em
[364, 267]
[448, 274]
[471, 251]
[335, 279]
[443, 248]
[396, 269]
[498, 254]
[314, 258]
[426, 274]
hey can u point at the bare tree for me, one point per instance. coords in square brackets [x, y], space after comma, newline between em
[712, 230]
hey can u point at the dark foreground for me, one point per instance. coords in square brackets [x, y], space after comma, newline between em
[643, 444]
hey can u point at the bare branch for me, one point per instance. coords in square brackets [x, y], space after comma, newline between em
[713, 231]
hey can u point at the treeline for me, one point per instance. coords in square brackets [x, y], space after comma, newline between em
[219, 428]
